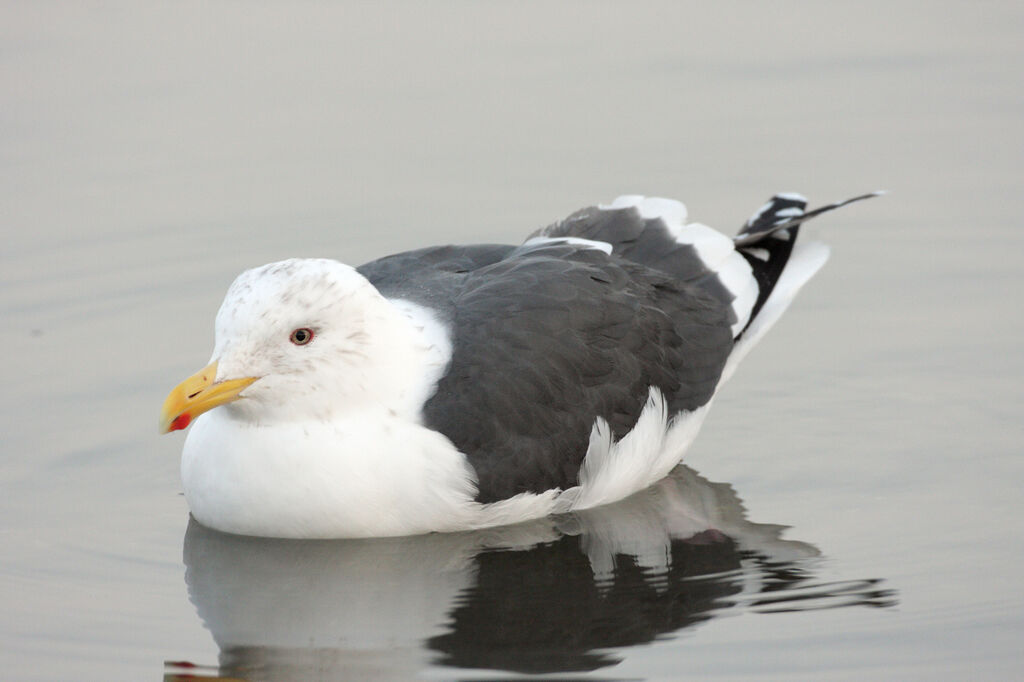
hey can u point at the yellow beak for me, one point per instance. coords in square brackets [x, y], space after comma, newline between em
[198, 394]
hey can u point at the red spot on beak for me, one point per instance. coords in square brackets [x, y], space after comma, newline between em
[181, 421]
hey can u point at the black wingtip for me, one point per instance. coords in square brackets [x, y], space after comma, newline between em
[762, 225]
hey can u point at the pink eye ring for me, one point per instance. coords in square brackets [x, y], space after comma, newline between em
[301, 336]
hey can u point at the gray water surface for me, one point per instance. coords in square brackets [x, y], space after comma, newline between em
[150, 152]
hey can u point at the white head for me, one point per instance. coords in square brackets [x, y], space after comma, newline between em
[309, 339]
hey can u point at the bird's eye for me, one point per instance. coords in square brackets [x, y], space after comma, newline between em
[301, 336]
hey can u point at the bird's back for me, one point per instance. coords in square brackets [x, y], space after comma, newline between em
[585, 321]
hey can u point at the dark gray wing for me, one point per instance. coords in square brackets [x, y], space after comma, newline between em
[546, 342]
[431, 276]
[642, 240]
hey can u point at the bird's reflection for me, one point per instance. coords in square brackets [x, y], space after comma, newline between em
[555, 595]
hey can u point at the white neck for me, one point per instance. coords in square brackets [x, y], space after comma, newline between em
[425, 352]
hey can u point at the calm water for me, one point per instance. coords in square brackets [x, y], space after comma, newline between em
[150, 153]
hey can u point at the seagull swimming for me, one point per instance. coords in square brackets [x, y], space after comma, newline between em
[461, 387]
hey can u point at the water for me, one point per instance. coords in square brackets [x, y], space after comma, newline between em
[150, 153]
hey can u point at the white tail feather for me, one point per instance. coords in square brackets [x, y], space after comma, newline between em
[806, 259]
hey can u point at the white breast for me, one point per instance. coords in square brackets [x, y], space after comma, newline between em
[369, 475]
